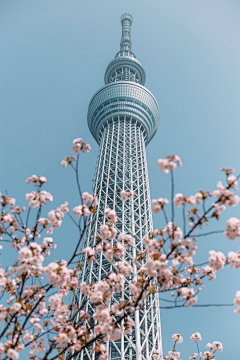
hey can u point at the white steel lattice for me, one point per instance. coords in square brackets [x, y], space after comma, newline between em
[122, 165]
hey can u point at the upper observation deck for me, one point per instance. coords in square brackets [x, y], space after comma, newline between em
[124, 92]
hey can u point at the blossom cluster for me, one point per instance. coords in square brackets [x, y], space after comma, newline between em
[37, 180]
[126, 194]
[86, 210]
[170, 163]
[35, 291]
[78, 146]
[157, 205]
[232, 228]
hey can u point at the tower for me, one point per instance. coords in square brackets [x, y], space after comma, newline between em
[123, 116]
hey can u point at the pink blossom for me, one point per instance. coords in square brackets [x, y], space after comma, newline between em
[77, 141]
[124, 267]
[89, 250]
[92, 199]
[115, 308]
[172, 355]
[232, 181]
[157, 205]
[198, 198]
[64, 163]
[208, 270]
[3, 315]
[216, 345]
[208, 355]
[174, 231]
[81, 210]
[86, 196]
[62, 339]
[216, 260]
[169, 163]
[42, 179]
[64, 207]
[177, 339]
[163, 165]
[157, 354]
[112, 217]
[236, 302]
[105, 232]
[127, 239]
[12, 354]
[24, 253]
[221, 188]
[191, 200]
[233, 228]
[193, 356]
[126, 194]
[218, 210]
[193, 301]
[15, 308]
[96, 297]
[234, 201]
[79, 146]
[38, 327]
[178, 199]
[85, 289]
[196, 337]
[234, 259]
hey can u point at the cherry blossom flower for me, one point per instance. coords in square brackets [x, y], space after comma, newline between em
[157, 205]
[233, 228]
[64, 163]
[196, 337]
[208, 270]
[12, 354]
[173, 355]
[173, 231]
[37, 180]
[216, 260]
[216, 345]
[208, 355]
[177, 339]
[64, 207]
[193, 356]
[125, 238]
[178, 199]
[236, 302]
[232, 181]
[81, 210]
[170, 163]
[80, 146]
[234, 259]
[126, 194]
[15, 308]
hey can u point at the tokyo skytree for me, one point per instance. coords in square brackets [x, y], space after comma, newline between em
[123, 116]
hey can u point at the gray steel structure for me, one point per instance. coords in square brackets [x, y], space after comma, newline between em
[123, 116]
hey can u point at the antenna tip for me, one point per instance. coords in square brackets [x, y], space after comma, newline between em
[128, 17]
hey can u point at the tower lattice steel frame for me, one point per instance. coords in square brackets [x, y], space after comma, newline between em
[123, 116]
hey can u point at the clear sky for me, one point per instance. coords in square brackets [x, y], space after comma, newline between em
[53, 58]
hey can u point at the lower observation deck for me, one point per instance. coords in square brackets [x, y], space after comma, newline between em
[127, 99]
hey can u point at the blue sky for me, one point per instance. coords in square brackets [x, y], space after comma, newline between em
[53, 58]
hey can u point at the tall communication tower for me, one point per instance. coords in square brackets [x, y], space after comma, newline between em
[123, 116]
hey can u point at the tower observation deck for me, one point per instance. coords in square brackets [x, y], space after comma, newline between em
[123, 116]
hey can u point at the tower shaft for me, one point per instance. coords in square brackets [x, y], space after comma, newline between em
[121, 165]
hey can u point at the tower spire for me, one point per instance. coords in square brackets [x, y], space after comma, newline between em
[125, 66]
[126, 21]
